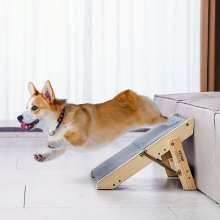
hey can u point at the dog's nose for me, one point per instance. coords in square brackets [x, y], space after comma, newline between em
[20, 118]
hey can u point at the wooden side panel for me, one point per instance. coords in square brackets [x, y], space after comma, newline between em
[121, 174]
[137, 163]
[182, 165]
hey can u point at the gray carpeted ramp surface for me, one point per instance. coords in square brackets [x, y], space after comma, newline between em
[136, 147]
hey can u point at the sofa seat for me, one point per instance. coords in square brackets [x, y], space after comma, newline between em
[203, 148]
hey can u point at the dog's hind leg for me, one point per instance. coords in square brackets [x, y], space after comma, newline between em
[50, 155]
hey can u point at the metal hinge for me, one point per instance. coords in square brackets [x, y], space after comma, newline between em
[156, 160]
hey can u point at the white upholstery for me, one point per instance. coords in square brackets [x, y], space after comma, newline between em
[204, 150]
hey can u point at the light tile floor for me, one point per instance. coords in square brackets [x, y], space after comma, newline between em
[63, 190]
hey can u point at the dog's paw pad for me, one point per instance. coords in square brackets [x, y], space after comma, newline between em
[40, 157]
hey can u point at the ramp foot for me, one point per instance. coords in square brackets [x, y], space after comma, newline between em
[182, 165]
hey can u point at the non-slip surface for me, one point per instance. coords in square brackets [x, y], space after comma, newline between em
[136, 147]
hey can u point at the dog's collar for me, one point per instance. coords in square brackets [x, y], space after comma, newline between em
[59, 120]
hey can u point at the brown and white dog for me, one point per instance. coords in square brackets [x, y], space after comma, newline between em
[84, 125]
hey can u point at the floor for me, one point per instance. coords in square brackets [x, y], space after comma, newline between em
[63, 190]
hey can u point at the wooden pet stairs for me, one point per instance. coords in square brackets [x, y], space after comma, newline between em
[161, 144]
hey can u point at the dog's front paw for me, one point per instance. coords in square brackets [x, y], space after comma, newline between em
[40, 157]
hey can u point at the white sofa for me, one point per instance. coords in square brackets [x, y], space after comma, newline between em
[203, 148]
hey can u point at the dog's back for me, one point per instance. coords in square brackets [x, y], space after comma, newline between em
[116, 116]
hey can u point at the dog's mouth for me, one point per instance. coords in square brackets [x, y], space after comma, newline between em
[30, 125]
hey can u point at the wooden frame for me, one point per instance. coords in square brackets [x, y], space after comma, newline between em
[181, 164]
[168, 149]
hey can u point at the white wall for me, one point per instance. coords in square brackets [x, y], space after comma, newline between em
[90, 50]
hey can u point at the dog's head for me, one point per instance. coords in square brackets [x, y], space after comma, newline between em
[39, 107]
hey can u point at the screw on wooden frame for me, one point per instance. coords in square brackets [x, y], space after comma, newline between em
[179, 173]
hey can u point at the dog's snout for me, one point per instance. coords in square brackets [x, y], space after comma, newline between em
[20, 118]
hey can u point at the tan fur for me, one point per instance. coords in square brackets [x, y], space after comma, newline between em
[103, 122]
[89, 124]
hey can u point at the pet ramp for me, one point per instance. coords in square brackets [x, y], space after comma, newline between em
[161, 144]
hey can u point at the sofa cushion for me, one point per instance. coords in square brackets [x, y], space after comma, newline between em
[202, 149]
[190, 96]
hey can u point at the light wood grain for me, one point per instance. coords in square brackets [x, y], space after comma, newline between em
[182, 165]
[135, 164]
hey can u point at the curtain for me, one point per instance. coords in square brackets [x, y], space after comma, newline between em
[210, 46]
[92, 49]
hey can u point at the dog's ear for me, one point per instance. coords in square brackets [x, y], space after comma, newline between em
[48, 92]
[32, 90]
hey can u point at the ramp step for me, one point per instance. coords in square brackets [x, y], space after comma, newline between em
[136, 147]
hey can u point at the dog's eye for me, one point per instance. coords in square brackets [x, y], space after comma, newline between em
[34, 108]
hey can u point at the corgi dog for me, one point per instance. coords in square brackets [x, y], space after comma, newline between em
[71, 126]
